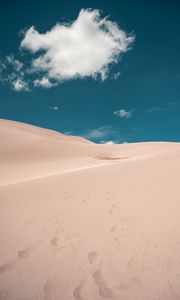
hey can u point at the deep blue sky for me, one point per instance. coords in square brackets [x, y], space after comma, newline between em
[149, 83]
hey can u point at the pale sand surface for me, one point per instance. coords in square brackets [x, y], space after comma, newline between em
[80, 221]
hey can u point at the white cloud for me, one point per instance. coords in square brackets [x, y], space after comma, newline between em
[43, 82]
[19, 85]
[109, 143]
[12, 72]
[122, 113]
[155, 108]
[54, 107]
[15, 63]
[85, 48]
[116, 75]
[173, 103]
[99, 132]
[104, 135]
[68, 133]
[2, 66]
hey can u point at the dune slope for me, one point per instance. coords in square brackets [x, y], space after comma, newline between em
[80, 221]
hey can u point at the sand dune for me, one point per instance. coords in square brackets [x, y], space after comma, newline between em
[80, 221]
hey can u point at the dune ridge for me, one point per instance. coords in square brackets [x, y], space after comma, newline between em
[81, 221]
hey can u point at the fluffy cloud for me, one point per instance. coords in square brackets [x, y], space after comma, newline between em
[85, 48]
[19, 85]
[122, 113]
[43, 82]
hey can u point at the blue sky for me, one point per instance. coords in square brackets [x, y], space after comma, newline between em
[123, 90]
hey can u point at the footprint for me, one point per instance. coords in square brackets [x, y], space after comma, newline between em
[131, 261]
[116, 179]
[24, 253]
[4, 295]
[9, 266]
[104, 291]
[93, 257]
[77, 293]
[54, 241]
[6, 267]
[113, 228]
[48, 290]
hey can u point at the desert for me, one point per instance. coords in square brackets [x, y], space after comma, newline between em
[86, 221]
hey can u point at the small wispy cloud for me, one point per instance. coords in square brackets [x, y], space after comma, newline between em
[104, 135]
[15, 63]
[2, 66]
[86, 47]
[164, 107]
[109, 143]
[122, 113]
[174, 103]
[68, 133]
[12, 72]
[54, 108]
[99, 132]
[154, 108]
[116, 75]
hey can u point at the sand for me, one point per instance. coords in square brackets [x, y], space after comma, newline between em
[81, 221]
